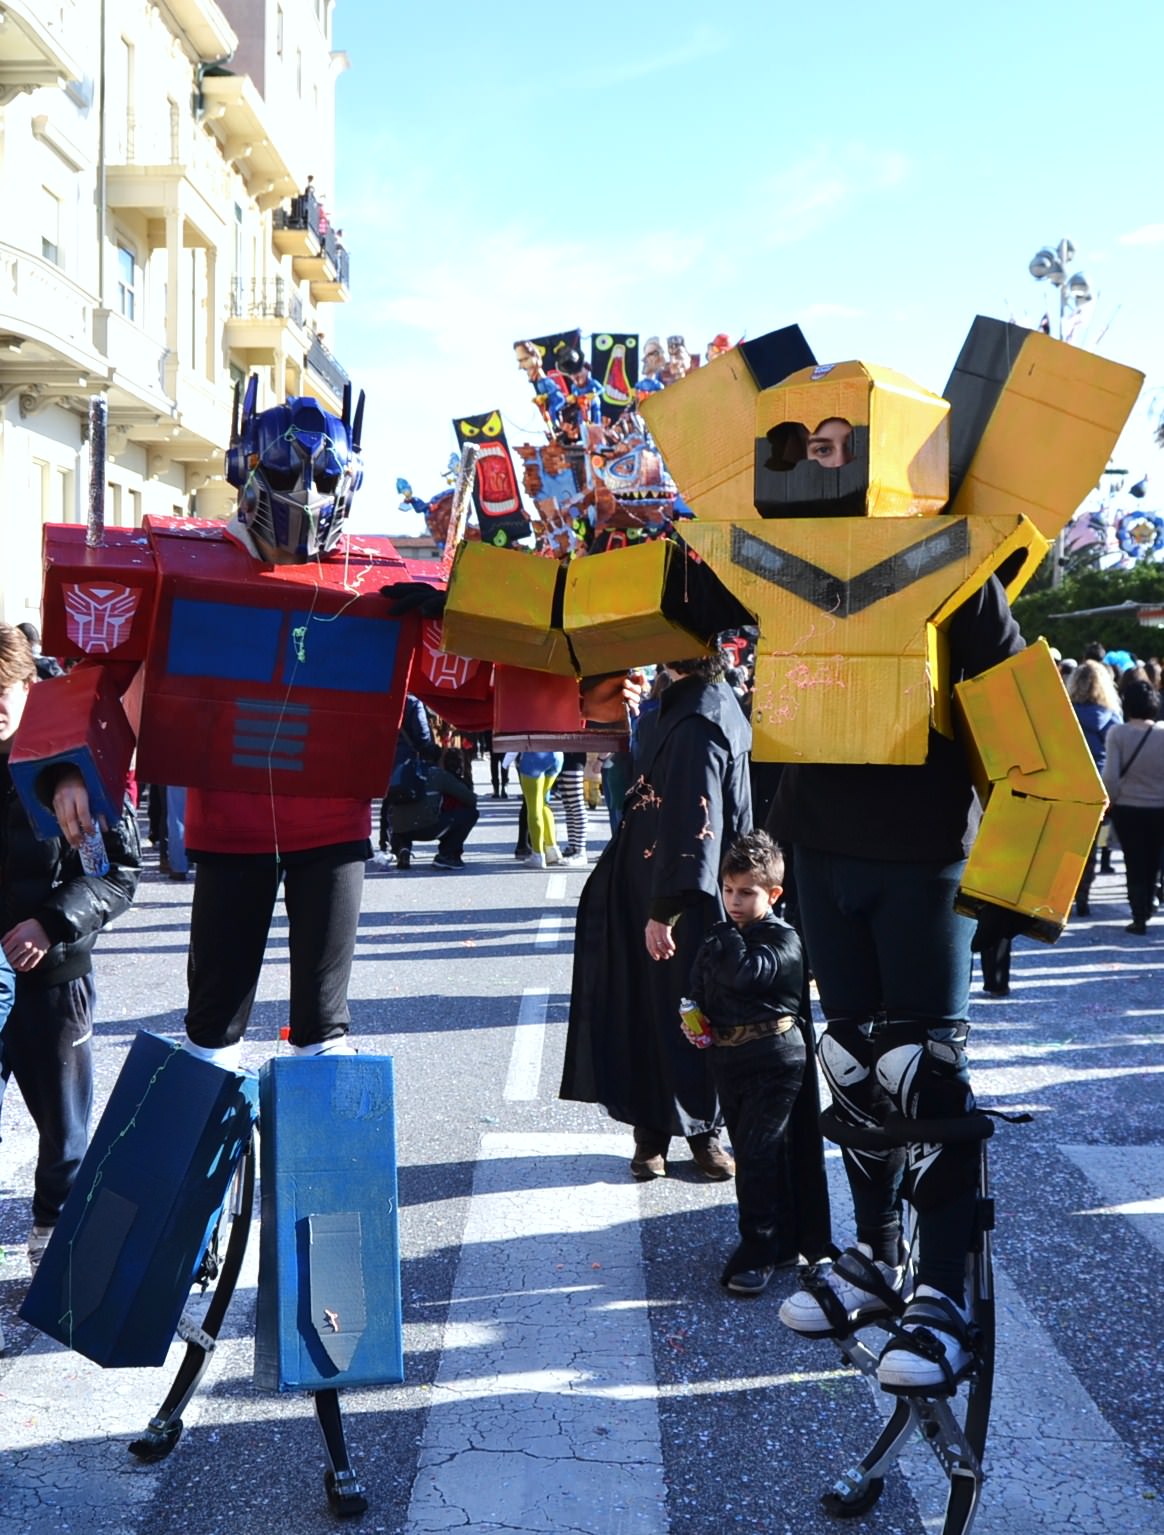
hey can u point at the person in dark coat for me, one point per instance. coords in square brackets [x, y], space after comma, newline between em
[51, 912]
[652, 898]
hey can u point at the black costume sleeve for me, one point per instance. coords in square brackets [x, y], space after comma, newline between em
[83, 904]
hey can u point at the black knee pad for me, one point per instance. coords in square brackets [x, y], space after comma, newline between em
[929, 1078]
[848, 1058]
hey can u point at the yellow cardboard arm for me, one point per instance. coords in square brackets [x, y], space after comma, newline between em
[1042, 795]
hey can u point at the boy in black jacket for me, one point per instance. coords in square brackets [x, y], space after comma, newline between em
[50, 914]
[748, 979]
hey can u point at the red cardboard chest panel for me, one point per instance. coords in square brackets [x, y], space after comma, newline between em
[272, 678]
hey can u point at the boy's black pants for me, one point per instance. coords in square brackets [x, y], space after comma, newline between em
[758, 1083]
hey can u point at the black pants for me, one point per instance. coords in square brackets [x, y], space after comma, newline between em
[47, 1045]
[449, 833]
[1141, 834]
[234, 901]
[757, 1084]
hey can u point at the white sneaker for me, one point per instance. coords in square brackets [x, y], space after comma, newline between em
[553, 853]
[536, 861]
[38, 1240]
[575, 860]
[932, 1351]
[857, 1289]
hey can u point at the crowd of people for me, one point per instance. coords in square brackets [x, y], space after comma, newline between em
[724, 886]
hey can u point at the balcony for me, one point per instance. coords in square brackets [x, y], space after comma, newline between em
[170, 166]
[241, 119]
[32, 53]
[322, 369]
[303, 232]
[137, 365]
[46, 331]
[205, 26]
[260, 314]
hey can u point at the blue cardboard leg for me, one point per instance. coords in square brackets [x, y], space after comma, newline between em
[117, 1272]
[328, 1310]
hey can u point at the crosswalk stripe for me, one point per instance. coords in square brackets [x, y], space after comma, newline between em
[525, 1061]
[1053, 1462]
[1129, 1180]
[544, 1413]
[549, 929]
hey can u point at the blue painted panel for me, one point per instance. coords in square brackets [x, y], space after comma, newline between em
[223, 639]
[341, 654]
[328, 1310]
[118, 1269]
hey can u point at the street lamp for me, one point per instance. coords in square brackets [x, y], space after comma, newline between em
[1074, 290]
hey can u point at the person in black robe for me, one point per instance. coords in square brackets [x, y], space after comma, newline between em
[652, 898]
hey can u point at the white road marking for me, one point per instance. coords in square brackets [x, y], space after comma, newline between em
[549, 929]
[1053, 1462]
[556, 887]
[525, 1061]
[544, 1411]
[1129, 1180]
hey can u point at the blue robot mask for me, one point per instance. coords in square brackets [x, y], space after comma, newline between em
[296, 469]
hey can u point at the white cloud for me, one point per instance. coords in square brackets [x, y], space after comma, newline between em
[703, 43]
[1147, 234]
[798, 200]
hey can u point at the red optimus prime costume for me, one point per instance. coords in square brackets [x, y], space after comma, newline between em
[285, 681]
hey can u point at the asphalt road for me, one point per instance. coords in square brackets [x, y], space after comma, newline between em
[572, 1363]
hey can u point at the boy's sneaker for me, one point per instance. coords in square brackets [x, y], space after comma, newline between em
[553, 853]
[448, 861]
[383, 859]
[837, 1295]
[404, 858]
[751, 1281]
[38, 1240]
[536, 861]
[931, 1351]
[574, 858]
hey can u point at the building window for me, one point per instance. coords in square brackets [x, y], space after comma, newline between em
[66, 500]
[299, 73]
[126, 282]
[50, 226]
[134, 509]
[279, 30]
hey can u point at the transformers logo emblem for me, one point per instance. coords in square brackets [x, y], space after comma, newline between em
[443, 671]
[98, 618]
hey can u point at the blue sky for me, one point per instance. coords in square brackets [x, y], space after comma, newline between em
[879, 174]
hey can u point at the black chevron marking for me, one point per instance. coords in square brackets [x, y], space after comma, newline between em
[833, 594]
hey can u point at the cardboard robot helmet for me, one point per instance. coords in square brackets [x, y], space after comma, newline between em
[296, 469]
[852, 440]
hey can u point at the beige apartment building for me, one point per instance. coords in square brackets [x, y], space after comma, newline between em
[166, 170]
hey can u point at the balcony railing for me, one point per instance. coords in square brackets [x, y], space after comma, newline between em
[272, 300]
[321, 362]
[170, 141]
[307, 212]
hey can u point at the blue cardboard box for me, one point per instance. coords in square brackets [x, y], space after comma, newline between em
[328, 1311]
[118, 1270]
